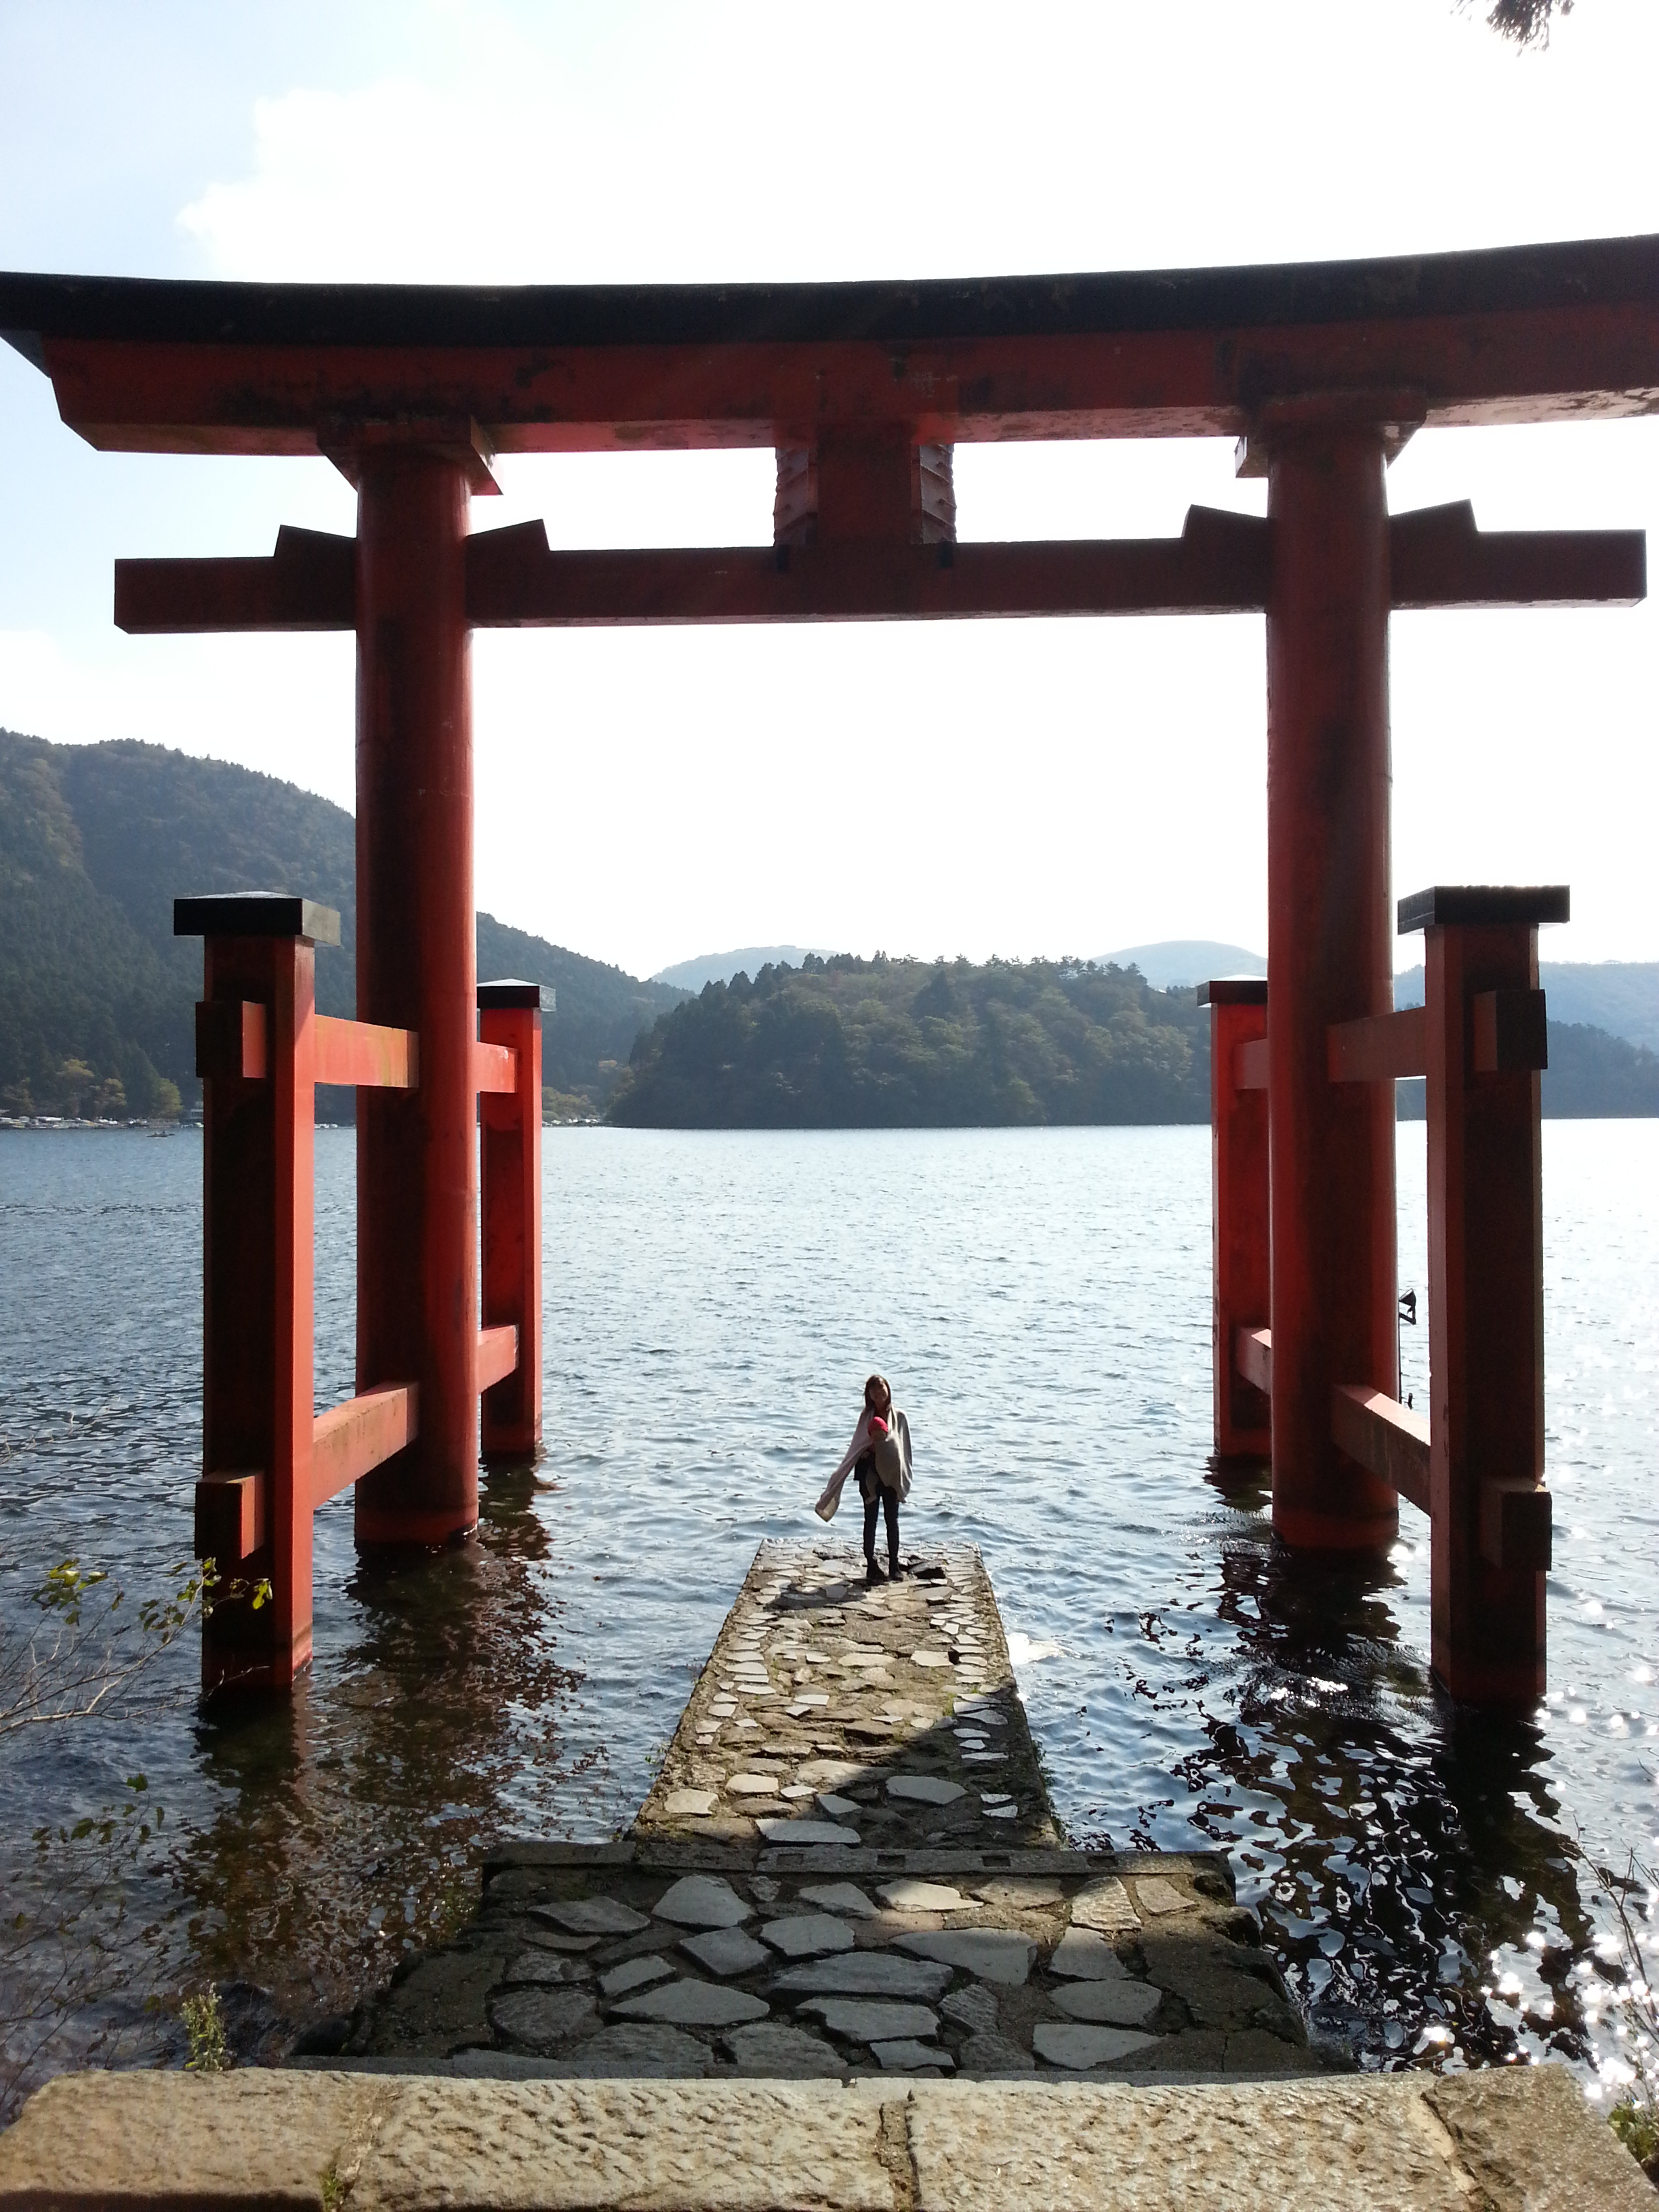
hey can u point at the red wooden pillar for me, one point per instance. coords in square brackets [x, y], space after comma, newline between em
[418, 1152]
[1329, 956]
[1238, 1185]
[510, 1137]
[256, 1052]
[1491, 1518]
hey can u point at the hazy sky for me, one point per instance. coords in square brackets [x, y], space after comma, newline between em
[1053, 787]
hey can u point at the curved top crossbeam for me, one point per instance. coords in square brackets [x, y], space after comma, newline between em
[1530, 333]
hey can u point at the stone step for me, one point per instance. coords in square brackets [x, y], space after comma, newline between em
[1516, 2135]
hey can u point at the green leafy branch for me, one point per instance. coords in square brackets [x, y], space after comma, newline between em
[89, 1644]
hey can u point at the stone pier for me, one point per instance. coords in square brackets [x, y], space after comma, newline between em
[843, 1959]
[847, 1865]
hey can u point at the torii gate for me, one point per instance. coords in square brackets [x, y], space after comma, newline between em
[1321, 372]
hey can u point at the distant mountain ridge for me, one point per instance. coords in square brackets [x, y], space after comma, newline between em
[1619, 996]
[96, 993]
[1183, 960]
[747, 960]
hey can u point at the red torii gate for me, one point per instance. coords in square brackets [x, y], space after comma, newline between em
[1321, 372]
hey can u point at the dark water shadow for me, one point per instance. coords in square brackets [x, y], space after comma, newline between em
[353, 1814]
[1415, 1837]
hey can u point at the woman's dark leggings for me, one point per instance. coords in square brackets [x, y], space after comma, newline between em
[879, 1499]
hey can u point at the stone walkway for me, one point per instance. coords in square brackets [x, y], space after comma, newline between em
[836, 1712]
[848, 1865]
[848, 1868]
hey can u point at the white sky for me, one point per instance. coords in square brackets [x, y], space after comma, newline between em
[1055, 787]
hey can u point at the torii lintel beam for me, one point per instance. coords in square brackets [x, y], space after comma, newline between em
[1515, 334]
[1220, 564]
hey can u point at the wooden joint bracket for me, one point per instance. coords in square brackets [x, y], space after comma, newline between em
[1517, 1525]
[1511, 1032]
[498, 1354]
[1253, 1357]
[1251, 1065]
[233, 1040]
[494, 1068]
[230, 1517]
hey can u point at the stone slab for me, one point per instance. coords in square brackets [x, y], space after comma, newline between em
[839, 1897]
[1072, 2044]
[909, 2057]
[545, 2018]
[771, 2048]
[974, 2006]
[725, 1951]
[865, 1974]
[1019, 1893]
[694, 2004]
[921, 1897]
[1111, 2004]
[147, 2143]
[808, 1934]
[1083, 1956]
[694, 1804]
[925, 1789]
[1156, 1895]
[634, 1974]
[1352, 2144]
[866, 2020]
[993, 1954]
[702, 1900]
[545, 1968]
[637, 2049]
[593, 1916]
[784, 1830]
[1104, 1906]
[590, 2147]
[271, 2141]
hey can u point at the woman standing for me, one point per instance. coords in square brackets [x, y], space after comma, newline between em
[879, 1455]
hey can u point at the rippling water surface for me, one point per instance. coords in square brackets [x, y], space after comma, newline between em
[712, 1302]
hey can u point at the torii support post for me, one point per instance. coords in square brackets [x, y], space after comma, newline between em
[1329, 957]
[418, 1154]
[1238, 1170]
[510, 1139]
[1486, 1045]
[256, 1047]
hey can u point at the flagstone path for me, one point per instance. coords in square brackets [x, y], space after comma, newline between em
[847, 1865]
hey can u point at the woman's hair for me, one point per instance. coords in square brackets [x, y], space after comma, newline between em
[877, 1392]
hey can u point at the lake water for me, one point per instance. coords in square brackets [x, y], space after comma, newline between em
[1040, 1298]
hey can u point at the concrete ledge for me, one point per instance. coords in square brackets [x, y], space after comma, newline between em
[1521, 2138]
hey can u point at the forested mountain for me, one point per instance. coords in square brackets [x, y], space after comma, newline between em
[848, 1043]
[96, 993]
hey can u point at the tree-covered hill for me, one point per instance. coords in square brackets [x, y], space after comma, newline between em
[96, 993]
[847, 1043]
